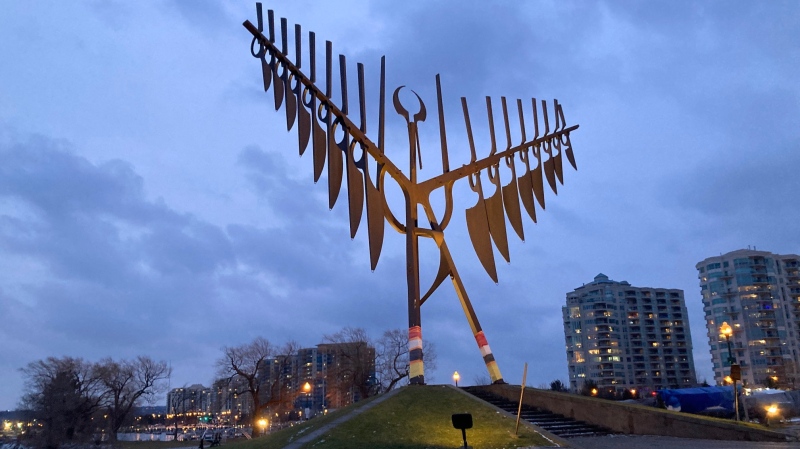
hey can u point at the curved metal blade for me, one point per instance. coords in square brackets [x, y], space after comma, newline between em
[478, 227]
[496, 216]
[525, 189]
[558, 161]
[511, 200]
[303, 127]
[537, 178]
[318, 134]
[570, 155]
[355, 193]
[320, 148]
[550, 167]
[278, 89]
[375, 221]
[291, 103]
[303, 117]
[266, 73]
[335, 166]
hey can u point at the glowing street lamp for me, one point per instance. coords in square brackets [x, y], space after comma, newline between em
[726, 331]
[456, 376]
[594, 391]
[307, 391]
[263, 424]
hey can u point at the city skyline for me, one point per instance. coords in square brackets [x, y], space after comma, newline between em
[152, 202]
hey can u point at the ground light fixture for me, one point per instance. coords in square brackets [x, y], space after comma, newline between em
[462, 421]
[456, 377]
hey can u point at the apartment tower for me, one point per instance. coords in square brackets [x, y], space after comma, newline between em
[626, 338]
[758, 294]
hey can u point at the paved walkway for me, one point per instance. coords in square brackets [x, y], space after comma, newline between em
[658, 442]
[298, 443]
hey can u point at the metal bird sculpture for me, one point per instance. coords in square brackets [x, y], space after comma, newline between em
[319, 119]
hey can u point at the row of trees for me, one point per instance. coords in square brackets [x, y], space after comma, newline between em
[73, 397]
[259, 369]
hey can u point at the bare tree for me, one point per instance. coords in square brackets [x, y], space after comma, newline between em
[354, 369]
[481, 379]
[392, 364]
[246, 363]
[127, 383]
[64, 393]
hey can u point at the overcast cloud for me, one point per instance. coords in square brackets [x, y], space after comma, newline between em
[152, 202]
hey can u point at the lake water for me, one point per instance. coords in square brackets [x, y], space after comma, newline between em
[146, 436]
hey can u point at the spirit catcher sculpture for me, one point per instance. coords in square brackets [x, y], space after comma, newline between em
[318, 118]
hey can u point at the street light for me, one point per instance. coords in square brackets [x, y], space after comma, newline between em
[307, 391]
[726, 331]
[456, 376]
[263, 424]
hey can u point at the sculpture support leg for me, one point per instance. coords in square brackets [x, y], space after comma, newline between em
[472, 318]
[416, 369]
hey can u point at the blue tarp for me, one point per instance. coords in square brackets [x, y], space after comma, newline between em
[698, 400]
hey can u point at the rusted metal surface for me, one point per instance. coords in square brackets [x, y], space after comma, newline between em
[334, 138]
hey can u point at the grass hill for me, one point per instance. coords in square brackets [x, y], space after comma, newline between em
[417, 417]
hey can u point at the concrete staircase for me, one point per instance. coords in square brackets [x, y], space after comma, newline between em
[558, 425]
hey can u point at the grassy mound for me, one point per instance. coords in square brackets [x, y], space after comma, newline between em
[418, 417]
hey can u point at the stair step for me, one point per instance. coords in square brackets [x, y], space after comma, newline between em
[557, 424]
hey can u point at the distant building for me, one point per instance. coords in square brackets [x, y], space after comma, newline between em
[758, 294]
[334, 372]
[625, 338]
[194, 401]
[230, 403]
[337, 375]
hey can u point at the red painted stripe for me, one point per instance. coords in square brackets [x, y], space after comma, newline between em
[481, 339]
[414, 332]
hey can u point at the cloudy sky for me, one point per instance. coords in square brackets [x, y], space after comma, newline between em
[152, 202]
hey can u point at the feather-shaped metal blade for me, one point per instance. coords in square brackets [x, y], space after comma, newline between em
[291, 100]
[478, 227]
[525, 188]
[355, 181]
[511, 200]
[496, 215]
[550, 166]
[335, 164]
[303, 117]
[558, 160]
[537, 178]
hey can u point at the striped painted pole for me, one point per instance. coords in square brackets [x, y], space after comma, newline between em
[416, 369]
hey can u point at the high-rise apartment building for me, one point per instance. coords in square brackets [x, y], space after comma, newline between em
[189, 401]
[625, 338]
[758, 294]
